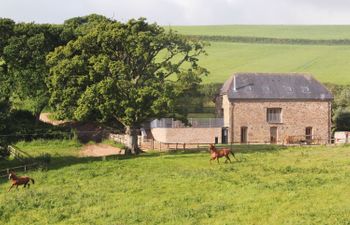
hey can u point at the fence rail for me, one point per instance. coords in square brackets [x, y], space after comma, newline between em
[19, 154]
[23, 157]
[5, 172]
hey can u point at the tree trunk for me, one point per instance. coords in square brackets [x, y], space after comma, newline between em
[37, 113]
[132, 144]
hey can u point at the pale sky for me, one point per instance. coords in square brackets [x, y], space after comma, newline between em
[183, 12]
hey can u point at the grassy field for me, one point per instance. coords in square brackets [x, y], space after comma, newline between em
[271, 31]
[326, 63]
[268, 186]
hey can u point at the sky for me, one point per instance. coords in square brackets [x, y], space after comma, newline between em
[183, 12]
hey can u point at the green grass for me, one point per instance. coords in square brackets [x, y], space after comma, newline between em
[56, 148]
[326, 63]
[325, 32]
[61, 151]
[268, 186]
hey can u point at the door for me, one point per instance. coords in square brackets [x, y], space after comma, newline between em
[244, 135]
[308, 135]
[273, 135]
[224, 135]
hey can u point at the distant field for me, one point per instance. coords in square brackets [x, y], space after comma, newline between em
[268, 186]
[326, 63]
[272, 31]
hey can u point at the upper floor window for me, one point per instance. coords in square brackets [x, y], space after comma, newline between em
[274, 115]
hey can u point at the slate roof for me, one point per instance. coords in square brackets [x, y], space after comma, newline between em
[272, 86]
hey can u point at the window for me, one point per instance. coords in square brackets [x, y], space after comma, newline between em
[274, 115]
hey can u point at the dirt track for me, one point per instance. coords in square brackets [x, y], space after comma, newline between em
[99, 150]
[45, 118]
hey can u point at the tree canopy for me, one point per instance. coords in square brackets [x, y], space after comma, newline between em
[130, 72]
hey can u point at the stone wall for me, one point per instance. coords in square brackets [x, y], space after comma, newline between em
[296, 116]
[186, 135]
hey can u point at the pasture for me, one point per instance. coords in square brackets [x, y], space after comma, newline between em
[313, 32]
[269, 185]
[326, 63]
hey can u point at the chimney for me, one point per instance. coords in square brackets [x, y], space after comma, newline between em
[234, 83]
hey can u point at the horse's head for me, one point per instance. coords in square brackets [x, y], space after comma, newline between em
[12, 175]
[212, 147]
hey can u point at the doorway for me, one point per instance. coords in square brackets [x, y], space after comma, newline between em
[224, 135]
[244, 135]
[308, 135]
[273, 135]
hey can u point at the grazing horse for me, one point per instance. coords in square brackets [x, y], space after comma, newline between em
[216, 154]
[16, 181]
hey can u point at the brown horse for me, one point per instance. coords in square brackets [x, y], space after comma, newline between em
[216, 154]
[16, 181]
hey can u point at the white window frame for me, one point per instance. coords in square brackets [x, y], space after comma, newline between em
[274, 115]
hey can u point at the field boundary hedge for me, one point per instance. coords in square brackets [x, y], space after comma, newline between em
[267, 40]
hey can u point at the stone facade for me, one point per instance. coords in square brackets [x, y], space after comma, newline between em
[187, 135]
[296, 116]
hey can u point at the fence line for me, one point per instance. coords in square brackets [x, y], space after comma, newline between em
[21, 156]
[26, 167]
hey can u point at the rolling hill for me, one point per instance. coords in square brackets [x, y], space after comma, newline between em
[327, 62]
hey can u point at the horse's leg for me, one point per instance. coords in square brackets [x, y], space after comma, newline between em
[11, 187]
[28, 184]
[17, 187]
[233, 154]
[228, 158]
[218, 160]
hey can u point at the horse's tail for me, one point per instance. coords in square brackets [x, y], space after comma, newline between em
[32, 180]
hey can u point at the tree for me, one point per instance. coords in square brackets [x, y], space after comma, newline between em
[24, 55]
[130, 72]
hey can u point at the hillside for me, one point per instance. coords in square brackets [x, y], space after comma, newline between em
[268, 186]
[327, 62]
[323, 32]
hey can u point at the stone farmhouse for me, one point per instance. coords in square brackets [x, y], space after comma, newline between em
[257, 108]
[275, 108]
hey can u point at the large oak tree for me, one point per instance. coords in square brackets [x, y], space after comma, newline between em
[131, 72]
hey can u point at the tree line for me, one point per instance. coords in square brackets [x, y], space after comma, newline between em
[96, 68]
